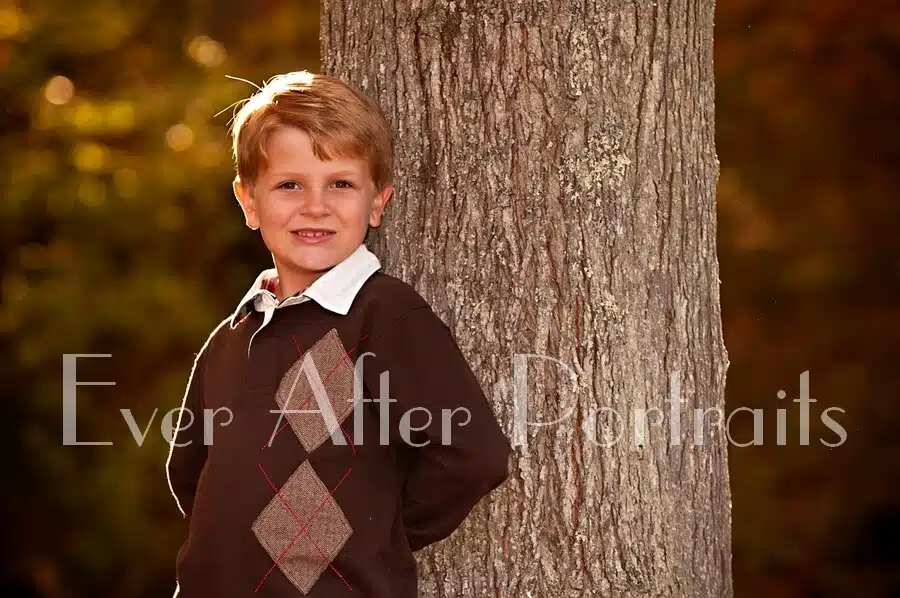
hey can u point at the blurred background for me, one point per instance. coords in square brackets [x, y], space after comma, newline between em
[120, 236]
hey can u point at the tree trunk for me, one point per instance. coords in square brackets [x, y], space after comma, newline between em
[555, 197]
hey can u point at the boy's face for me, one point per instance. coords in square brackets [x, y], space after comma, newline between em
[312, 214]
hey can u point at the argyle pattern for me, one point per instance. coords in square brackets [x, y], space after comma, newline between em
[302, 527]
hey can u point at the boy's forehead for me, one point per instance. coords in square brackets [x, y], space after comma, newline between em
[278, 160]
[301, 157]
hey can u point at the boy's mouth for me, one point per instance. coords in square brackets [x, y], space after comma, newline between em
[312, 235]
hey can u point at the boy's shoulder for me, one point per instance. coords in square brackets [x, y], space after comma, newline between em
[386, 295]
[385, 300]
[217, 331]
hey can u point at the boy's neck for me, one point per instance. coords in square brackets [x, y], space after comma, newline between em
[288, 283]
[284, 288]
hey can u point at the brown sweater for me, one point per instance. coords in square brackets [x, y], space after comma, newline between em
[329, 500]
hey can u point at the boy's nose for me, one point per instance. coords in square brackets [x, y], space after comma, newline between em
[316, 203]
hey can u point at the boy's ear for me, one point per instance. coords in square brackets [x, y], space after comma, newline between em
[244, 195]
[379, 204]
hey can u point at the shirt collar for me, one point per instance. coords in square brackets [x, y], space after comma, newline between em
[334, 290]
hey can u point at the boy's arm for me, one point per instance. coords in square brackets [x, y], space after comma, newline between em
[429, 375]
[187, 452]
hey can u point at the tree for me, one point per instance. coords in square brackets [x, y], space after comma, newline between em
[556, 176]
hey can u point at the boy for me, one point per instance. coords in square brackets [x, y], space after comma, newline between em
[349, 431]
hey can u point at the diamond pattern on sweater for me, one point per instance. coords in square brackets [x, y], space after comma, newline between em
[302, 528]
[321, 384]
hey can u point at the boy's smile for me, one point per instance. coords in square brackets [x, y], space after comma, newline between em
[312, 214]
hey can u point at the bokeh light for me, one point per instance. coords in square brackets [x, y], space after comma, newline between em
[179, 137]
[59, 90]
[206, 51]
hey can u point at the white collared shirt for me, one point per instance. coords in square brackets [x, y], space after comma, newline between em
[334, 290]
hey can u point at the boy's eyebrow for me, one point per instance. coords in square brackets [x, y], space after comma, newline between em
[343, 172]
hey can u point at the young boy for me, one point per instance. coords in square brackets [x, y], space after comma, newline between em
[331, 426]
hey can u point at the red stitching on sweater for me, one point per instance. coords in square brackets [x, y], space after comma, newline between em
[312, 394]
[297, 344]
[331, 493]
[297, 519]
[397, 321]
[302, 529]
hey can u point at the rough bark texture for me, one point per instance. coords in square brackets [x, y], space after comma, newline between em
[555, 195]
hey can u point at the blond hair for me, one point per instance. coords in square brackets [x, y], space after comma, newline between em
[340, 121]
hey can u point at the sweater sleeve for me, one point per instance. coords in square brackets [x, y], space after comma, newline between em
[187, 451]
[463, 453]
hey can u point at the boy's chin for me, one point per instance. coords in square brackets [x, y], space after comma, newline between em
[308, 263]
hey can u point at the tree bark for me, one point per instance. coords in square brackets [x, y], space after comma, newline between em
[555, 196]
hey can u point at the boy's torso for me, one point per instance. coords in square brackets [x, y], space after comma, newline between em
[308, 501]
